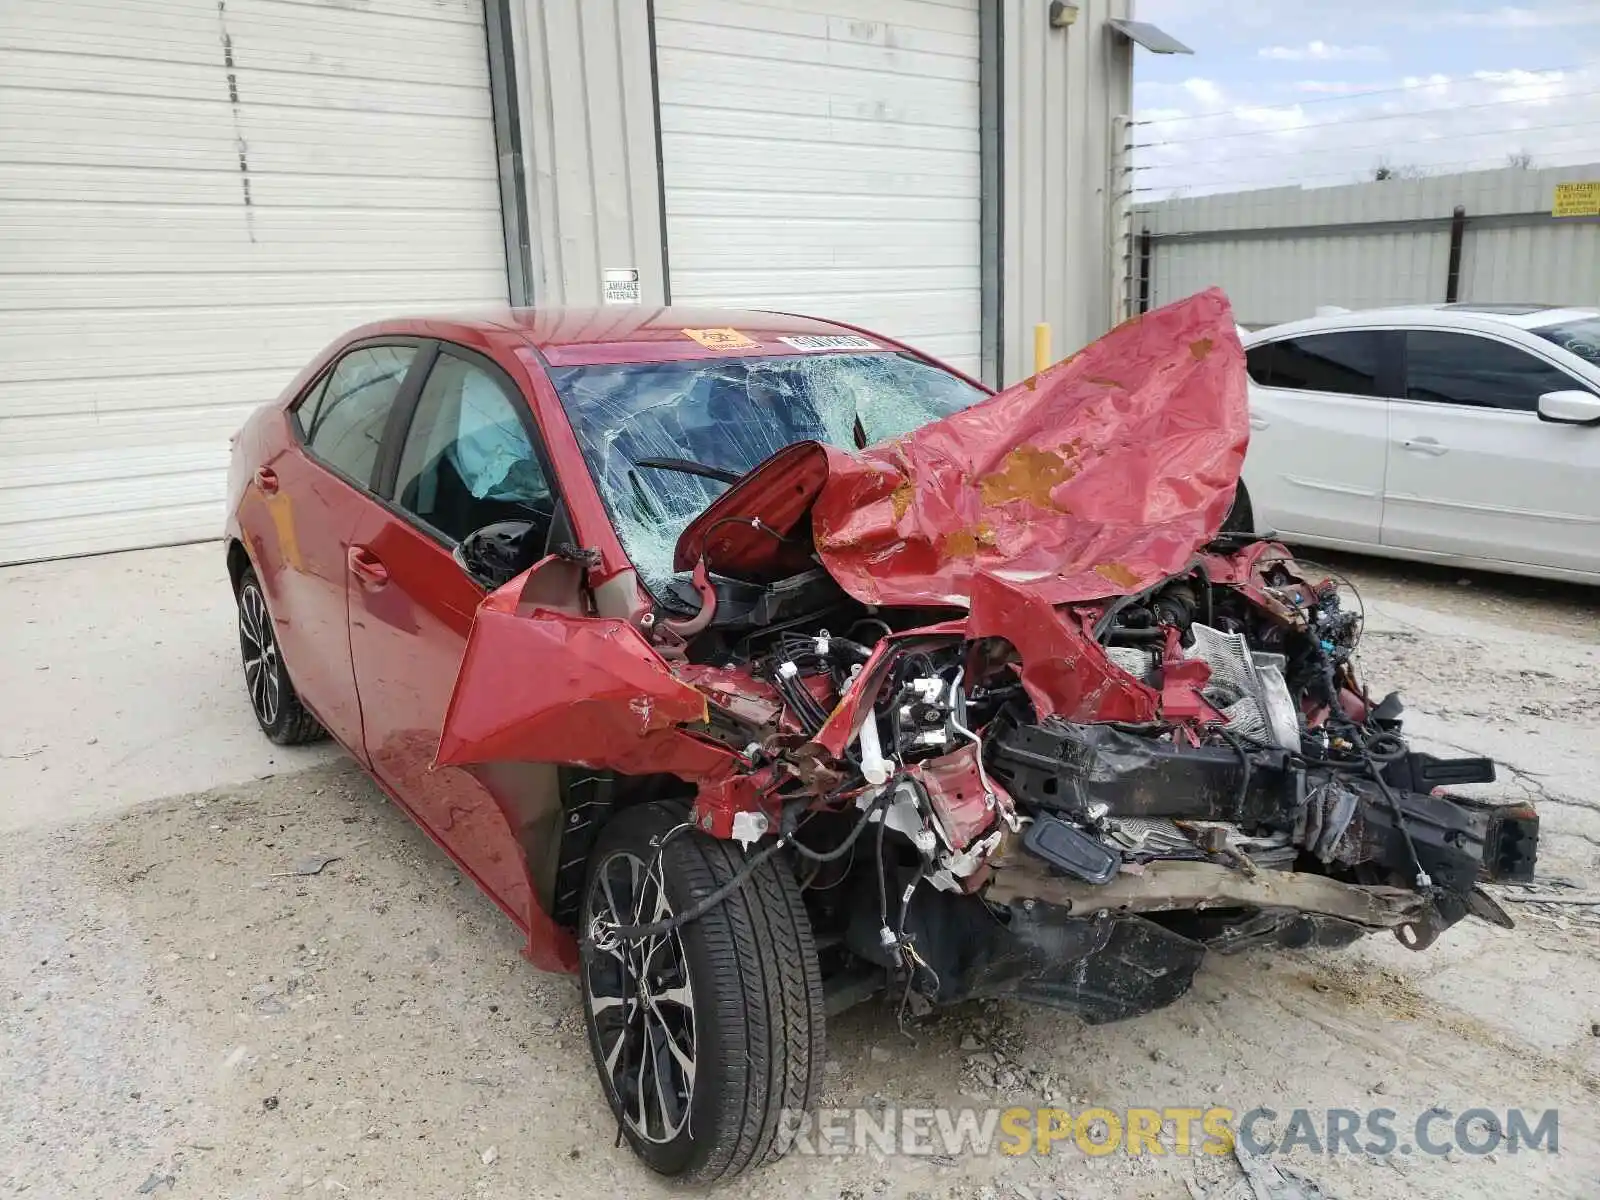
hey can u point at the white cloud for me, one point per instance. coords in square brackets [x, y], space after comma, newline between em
[1515, 17]
[1319, 51]
[1329, 87]
[1531, 87]
[1205, 91]
[1211, 136]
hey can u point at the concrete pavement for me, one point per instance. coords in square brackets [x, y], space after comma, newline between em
[122, 684]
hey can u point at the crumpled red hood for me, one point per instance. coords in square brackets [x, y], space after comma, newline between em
[1098, 477]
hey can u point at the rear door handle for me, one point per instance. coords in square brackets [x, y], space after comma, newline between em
[1259, 422]
[367, 567]
[1425, 445]
[267, 480]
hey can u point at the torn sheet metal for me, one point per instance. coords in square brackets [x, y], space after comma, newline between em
[964, 801]
[1098, 477]
[845, 720]
[565, 689]
[1064, 671]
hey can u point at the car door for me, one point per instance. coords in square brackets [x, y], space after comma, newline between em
[1474, 471]
[313, 492]
[1319, 433]
[466, 459]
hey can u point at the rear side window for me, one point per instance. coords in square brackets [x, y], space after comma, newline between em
[343, 421]
[1463, 368]
[1347, 363]
[1580, 337]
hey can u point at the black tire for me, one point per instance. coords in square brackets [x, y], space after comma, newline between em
[1241, 518]
[266, 680]
[753, 1024]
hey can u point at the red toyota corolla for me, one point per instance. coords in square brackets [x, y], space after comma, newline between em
[756, 665]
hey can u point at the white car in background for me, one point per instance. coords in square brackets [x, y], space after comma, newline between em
[1460, 433]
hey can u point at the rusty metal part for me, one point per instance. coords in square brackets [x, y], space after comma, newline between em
[1212, 838]
[1170, 885]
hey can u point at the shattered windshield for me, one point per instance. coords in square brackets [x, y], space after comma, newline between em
[725, 416]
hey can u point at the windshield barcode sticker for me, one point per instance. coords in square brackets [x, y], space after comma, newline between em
[831, 341]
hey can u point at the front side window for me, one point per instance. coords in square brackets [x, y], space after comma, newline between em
[663, 440]
[1347, 363]
[467, 460]
[1479, 372]
[343, 422]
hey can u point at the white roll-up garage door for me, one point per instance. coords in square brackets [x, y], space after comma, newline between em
[822, 156]
[195, 197]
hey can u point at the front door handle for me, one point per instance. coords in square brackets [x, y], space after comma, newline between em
[1425, 445]
[267, 480]
[367, 567]
[1259, 422]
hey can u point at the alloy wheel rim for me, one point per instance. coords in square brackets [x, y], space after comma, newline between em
[260, 652]
[641, 1004]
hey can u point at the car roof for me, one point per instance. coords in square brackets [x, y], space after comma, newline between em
[624, 332]
[1481, 317]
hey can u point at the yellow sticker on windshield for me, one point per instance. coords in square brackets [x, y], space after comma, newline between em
[720, 339]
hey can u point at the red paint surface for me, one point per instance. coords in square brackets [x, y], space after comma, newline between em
[1098, 477]
[955, 789]
[297, 540]
[1064, 671]
[779, 493]
[406, 638]
[550, 687]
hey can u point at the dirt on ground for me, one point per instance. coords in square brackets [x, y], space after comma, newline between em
[285, 989]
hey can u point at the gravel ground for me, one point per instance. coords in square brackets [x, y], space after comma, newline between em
[181, 1014]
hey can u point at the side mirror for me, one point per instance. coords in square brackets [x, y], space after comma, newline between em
[498, 553]
[1575, 407]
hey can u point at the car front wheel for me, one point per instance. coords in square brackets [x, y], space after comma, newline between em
[709, 1037]
[272, 697]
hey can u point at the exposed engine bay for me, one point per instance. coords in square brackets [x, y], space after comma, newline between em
[1025, 723]
[1268, 799]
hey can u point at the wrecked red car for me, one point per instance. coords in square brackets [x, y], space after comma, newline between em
[758, 665]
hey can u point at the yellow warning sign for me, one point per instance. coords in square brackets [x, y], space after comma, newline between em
[720, 339]
[1577, 200]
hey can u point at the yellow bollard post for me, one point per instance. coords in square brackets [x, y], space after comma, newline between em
[1041, 347]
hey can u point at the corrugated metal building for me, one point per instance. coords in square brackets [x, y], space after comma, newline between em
[196, 195]
[1280, 253]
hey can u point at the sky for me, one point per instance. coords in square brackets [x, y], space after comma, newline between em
[1322, 92]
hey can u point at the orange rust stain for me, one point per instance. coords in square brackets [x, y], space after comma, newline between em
[1103, 381]
[900, 498]
[1200, 348]
[1029, 473]
[964, 543]
[1116, 573]
[960, 544]
[281, 509]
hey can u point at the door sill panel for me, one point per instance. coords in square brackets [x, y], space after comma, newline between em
[1469, 562]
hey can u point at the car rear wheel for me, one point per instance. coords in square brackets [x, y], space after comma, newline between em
[272, 697]
[707, 1035]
